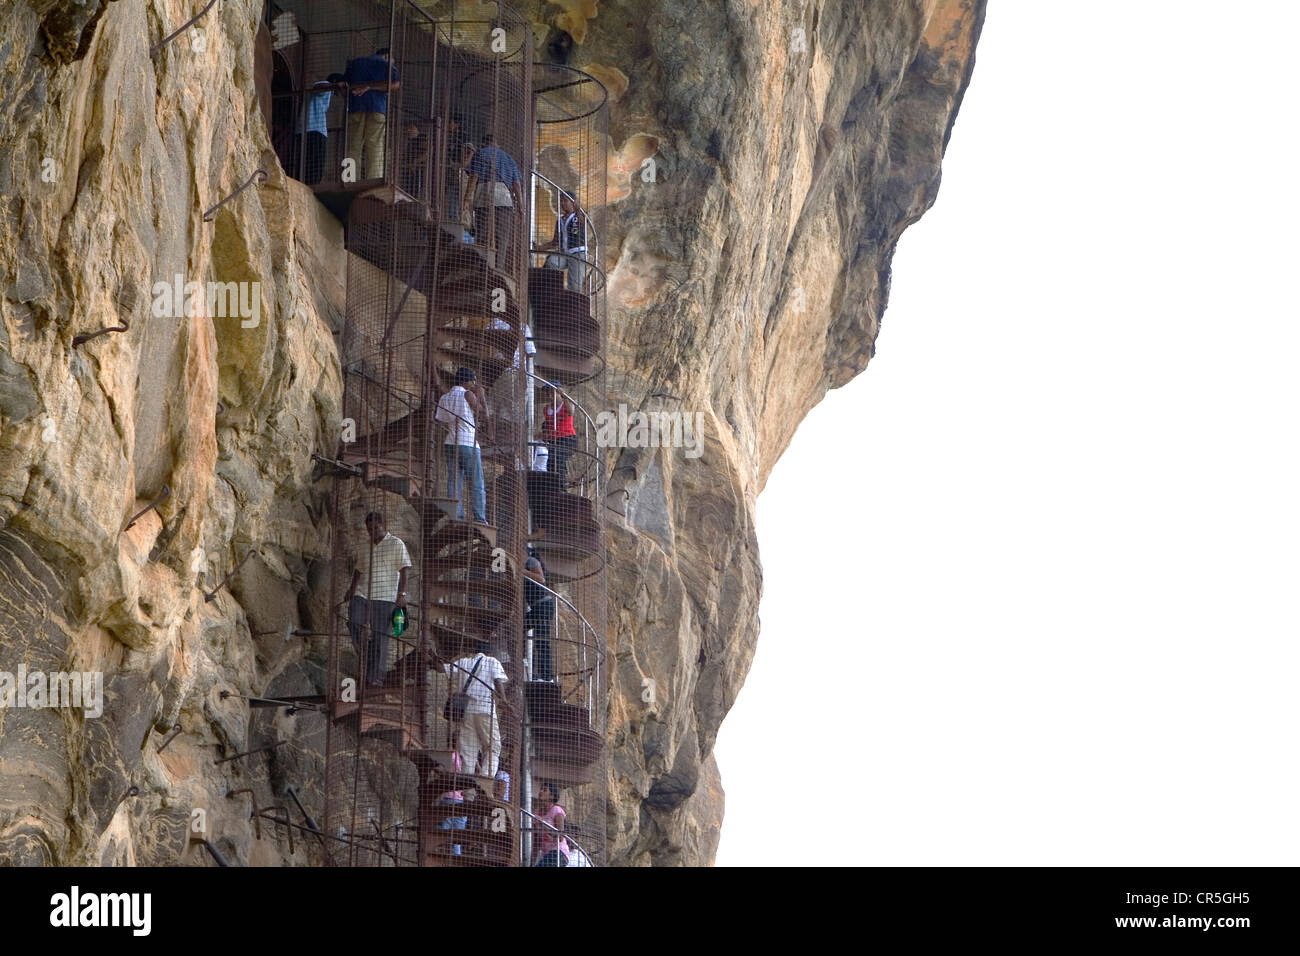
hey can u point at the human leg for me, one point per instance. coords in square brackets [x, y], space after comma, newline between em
[356, 141]
[451, 462]
[376, 127]
[539, 619]
[561, 450]
[483, 225]
[480, 491]
[315, 159]
[358, 621]
[495, 752]
[466, 457]
[381, 622]
[577, 271]
[469, 743]
[505, 223]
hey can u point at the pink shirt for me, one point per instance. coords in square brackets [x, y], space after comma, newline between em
[546, 839]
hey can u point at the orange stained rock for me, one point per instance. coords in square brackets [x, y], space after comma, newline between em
[948, 30]
[611, 77]
[626, 162]
[574, 16]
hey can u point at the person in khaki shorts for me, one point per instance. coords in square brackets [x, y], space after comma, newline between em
[370, 79]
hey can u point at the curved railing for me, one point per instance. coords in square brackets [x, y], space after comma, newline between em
[588, 448]
[554, 77]
[590, 674]
[567, 835]
[592, 259]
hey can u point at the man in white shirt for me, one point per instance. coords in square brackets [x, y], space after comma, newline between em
[460, 410]
[378, 586]
[480, 734]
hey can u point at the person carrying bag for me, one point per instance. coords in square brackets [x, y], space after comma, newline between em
[454, 709]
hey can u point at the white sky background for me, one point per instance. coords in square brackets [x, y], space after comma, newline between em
[1050, 598]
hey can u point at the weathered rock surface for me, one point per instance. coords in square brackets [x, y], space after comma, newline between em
[789, 145]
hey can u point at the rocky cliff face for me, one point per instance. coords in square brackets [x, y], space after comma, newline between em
[767, 157]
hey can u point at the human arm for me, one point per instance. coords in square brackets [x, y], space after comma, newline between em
[401, 587]
[555, 237]
[477, 399]
[502, 701]
[470, 186]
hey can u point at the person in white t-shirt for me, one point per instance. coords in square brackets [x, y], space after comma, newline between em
[480, 734]
[378, 586]
[460, 410]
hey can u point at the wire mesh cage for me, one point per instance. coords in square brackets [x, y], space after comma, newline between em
[565, 590]
[466, 672]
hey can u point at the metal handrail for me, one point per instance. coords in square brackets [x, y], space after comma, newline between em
[580, 617]
[592, 268]
[593, 672]
[576, 404]
[564, 834]
[593, 238]
[589, 423]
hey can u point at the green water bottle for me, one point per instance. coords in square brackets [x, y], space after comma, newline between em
[399, 621]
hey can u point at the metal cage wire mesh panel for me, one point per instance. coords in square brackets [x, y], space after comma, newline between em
[566, 295]
[467, 664]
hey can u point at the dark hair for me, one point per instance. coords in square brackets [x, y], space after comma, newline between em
[335, 78]
[483, 647]
[553, 787]
[374, 516]
[382, 51]
[464, 375]
[488, 139]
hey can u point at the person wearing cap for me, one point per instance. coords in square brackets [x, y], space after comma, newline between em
[571, 241]
[459, 410]
[558, 432]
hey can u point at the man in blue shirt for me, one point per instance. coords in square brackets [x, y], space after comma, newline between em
[371, 79]
[495, 188]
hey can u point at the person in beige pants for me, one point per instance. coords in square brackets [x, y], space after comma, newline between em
[479, 734]
[370, 79]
